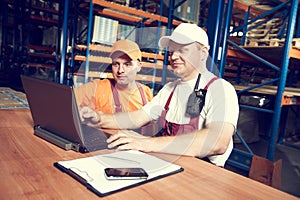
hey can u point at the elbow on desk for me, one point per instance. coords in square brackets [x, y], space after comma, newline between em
[224, 139]
[220, 148]
[209, 150]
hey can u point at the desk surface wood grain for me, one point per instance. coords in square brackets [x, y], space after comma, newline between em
[27, 172]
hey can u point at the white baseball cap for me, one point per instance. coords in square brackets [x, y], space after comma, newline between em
[185, 33]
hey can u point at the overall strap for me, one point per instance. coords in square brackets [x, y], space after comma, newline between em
[210, 82]
[170, 128]
[169, 99]
[171, 95]
[115, 96]
[139, 86]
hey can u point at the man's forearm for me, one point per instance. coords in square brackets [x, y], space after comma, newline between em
[124, 120]
[201, 143]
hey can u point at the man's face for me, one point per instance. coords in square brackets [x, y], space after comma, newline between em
[185, 60]
[124, 70]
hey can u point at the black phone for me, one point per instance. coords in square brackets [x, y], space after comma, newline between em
[125, 173]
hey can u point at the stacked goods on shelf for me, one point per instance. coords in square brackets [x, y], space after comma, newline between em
[189, 10]
[261, 33]
[40, 29]
[119, 20]
[99, 62]
[105, 30]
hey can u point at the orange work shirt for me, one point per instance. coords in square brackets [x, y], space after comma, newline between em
[97, 94]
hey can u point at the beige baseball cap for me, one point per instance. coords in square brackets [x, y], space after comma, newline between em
[126, 47]
[185, 33]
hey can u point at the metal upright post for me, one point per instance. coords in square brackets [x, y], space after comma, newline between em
[161, 5]
[214, 30]
[28, 26]
[246, 17]
[74, 34]
[58, 42]
[283, 75]
[87, 64]
[64, 42]
[16, 38]
[169, 27]
[225, 37]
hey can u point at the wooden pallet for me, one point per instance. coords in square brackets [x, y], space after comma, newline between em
[274, 42]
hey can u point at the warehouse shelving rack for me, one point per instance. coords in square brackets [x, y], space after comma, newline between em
[124, 14]
[242, 159]
[30, 19]
[42, 16]
[7, 37]
[217, 27]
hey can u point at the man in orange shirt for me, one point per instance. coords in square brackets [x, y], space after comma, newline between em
[122, 93]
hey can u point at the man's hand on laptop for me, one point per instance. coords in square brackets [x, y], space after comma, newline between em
[89, 116]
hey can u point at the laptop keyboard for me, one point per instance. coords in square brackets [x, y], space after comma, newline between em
[93, 138]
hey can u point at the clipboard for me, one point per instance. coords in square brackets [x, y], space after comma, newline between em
[89, 171]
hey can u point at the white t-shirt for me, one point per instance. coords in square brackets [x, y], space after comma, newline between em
[221, 105]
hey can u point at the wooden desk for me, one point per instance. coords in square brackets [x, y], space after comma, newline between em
[27, 172]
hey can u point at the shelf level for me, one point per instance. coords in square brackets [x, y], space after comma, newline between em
[107, 60]
[290, 96]
[274, 52]
[108, 49]
[132, 11]
[45, 21]
[41, 48]
[49, 66]
[237, 54]
[41, 55]
[139, 77]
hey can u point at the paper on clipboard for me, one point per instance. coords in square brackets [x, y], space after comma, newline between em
[90, 170]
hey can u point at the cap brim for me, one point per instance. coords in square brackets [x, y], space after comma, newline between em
[164, 41]
[178, 38]
[118, 53]
[132, 55]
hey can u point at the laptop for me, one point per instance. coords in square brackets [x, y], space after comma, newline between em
[56, 116]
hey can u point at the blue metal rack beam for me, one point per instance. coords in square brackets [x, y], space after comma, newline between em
[169, 27]
[242, 27]
[214, 30]
[282, 81]
[90, 22]
[225, 36]
[140, 24]
[161, 9]
[238, 158]
[64, 43]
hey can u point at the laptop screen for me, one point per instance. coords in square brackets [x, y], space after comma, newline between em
[53, 108]
[56, 117]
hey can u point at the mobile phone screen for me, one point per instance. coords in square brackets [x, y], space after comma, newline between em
[125, 173]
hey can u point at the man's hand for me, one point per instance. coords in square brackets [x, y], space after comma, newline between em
[89, 116]
[129, 140]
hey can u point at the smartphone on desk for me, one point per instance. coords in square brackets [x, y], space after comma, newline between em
[125, 173]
